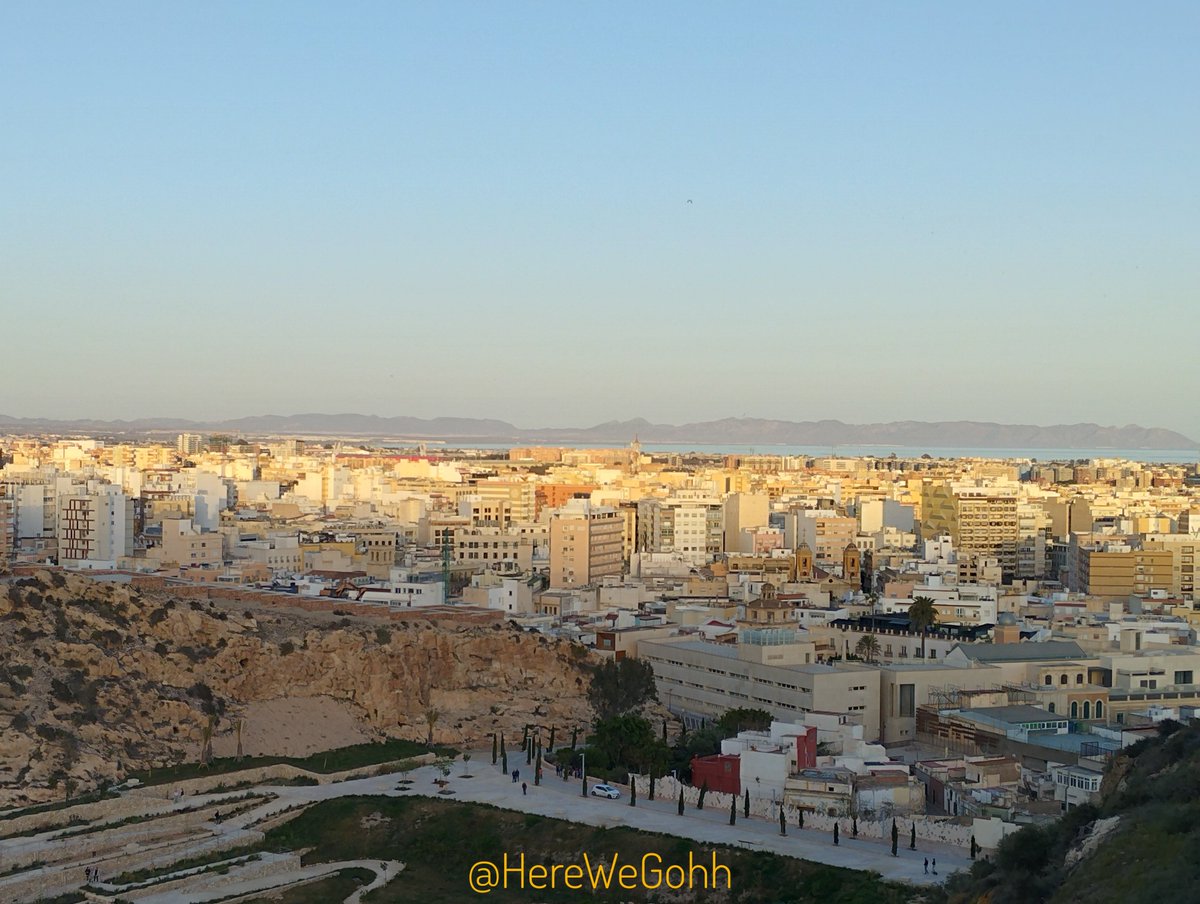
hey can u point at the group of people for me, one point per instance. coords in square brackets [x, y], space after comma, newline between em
[516, 777]
[92, 873]
[572, 771]
[934, 866]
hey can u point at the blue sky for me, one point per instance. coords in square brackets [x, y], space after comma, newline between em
[899, 211]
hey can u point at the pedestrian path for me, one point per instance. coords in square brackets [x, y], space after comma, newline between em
[563, 800]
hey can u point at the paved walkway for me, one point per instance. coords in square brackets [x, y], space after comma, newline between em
[384, 873]
[562, 800]
[553, 798]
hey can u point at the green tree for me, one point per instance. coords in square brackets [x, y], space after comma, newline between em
[431, 719]
[922, 616]
[854, 826]
[744, 718]
[732, 809]
[619, 687]
[746, 811]
[466, 758]
[632, 791]
[680, 801]
[495, 754]
[703, 792]
[867, 647]
[912, 841]
[895, 838]
[800, 817]
[627, 743]
[835, 833]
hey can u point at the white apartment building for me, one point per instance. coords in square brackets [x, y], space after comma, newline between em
[95, 530]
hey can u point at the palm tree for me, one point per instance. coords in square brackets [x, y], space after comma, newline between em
[867, 647]
[238, 725]
[431, 718]
[922, 615]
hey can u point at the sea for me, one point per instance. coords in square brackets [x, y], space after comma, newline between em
[1149, 456]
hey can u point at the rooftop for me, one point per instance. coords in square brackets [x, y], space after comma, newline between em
[1022, 652]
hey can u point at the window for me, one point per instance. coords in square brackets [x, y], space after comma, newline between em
[1087, 709]
[1062, 679]
[908, 696]
[1184, 677]
[1079, 677]
[1099, 709]
[1074, 709]
[1051, 707]
[1049, 679]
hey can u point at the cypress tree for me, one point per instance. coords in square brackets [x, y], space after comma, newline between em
[782, 821]
[732, 809]
[835, 833]
[632, 791]
[680, 801]
[746, 811]
[854, 826]
[912, 840]
[700, 799]
[652, 786]
[494, 753]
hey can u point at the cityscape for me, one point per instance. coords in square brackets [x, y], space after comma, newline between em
[663, 453]
[959, 647]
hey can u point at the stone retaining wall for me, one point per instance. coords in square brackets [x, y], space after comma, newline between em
[214, 881]
[277, 772]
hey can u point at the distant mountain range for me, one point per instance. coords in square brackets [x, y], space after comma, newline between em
[733, 431]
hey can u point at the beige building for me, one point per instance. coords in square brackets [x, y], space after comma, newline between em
[493, 548]
[1116, 569]
[185, 546]
[768, 669]
[586, 544]
[980, 520]
[905, 686]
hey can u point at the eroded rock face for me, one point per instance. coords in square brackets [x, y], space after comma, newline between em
[97, 679]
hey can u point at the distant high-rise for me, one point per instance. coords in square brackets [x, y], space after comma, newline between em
[585, 544]
[980, 520]
[189, 443]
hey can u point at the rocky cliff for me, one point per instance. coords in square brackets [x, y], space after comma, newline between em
[98, 679]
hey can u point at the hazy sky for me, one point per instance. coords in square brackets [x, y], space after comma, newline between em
[918, 210]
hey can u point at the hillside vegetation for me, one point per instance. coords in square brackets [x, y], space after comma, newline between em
[1138, 845]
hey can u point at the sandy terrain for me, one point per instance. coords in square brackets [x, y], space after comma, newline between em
[293, 726]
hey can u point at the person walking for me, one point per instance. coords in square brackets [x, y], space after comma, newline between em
[935, 866]
[927, 866]
[524, 788]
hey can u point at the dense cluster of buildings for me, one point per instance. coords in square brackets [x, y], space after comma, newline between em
[1064, 592]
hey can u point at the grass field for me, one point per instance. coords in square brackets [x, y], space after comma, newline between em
[440, 840]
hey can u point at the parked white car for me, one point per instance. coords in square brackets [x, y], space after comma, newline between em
[606, 791]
